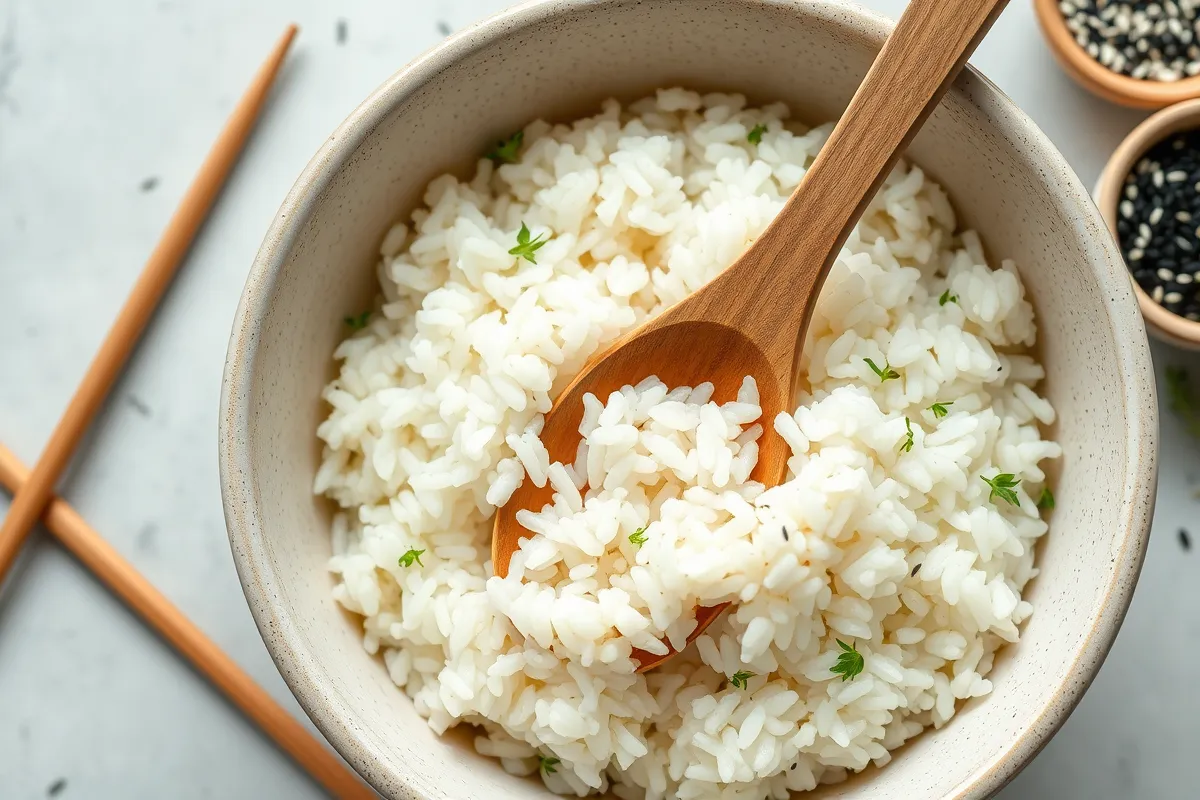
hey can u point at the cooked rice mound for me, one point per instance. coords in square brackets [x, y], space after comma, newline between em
[898, 551]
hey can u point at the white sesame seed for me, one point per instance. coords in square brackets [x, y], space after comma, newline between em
[1156, 215]
[1172, 297]
[1135, 254]
[1177, 175]
[1131, 191]
[1144, 231]
[1183, 279]
[1183, 216]
[1126, 209]
[1166, 274]
[1157, 177]
[1157, 294]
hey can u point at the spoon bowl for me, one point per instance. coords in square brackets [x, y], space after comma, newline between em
[678, 353]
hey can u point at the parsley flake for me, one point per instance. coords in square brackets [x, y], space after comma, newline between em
[526, 247]
[946, 297]
[941, 409]
[505, 151]
[849, 664]
[358, 321]
[907, 444]
[547, 764]
[638, 537]
[412, 555]
[1002, 487]
[738, 681]
[1046, 501]
[756, 133]
[885, 374]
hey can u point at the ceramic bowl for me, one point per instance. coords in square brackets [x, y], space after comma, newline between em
[558, 59]
[1165, 325]
[1099, 79]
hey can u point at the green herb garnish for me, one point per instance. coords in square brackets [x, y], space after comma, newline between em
[358, 321]
[885, 374]
[1181, 401]
[940, 409]
[1046, 501]
[638, 537]
[525, 246]
[505, 151]
[850, 662]
[755, 134]
[547, 764]
[738, 681]
[1002, 487]
[947, 298]
[907, 444]
[412, 555]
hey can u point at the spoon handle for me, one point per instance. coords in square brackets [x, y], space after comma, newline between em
[928, 47]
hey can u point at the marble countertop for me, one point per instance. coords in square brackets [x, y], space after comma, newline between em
[105, 113]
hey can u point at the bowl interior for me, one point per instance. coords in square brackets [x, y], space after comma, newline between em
[559, 60]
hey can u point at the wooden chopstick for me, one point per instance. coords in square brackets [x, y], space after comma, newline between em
[29, 502]
[140, 595]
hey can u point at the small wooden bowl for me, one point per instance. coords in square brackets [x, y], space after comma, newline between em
[1182, 116]
[1099, 79]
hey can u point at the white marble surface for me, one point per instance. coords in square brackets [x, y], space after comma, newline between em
[105, 112]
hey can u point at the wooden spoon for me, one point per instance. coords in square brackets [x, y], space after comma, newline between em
[751, 319]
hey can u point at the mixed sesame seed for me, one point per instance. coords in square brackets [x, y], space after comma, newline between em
[1158, 223]
[1157, 41]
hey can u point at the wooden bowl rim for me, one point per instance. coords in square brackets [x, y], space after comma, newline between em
[1181, 116]
[1100, 80]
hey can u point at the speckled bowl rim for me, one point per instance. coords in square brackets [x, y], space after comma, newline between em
[299, 665]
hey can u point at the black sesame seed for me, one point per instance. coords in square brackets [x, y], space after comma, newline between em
[913, 574]
[1139, 38]
[1156, 220]
[785, 533]
[1185, 540]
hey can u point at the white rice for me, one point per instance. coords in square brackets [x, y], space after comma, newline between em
[897, 552]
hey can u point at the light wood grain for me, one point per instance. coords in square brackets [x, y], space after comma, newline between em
[209, 660]
[751, 319]
[143, 299]
[1099, 79]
